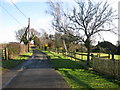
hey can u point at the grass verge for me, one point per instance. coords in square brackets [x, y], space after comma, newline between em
[8, 64]
[78, 75]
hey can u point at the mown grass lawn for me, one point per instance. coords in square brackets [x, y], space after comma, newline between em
[78, 75]
[8, 64]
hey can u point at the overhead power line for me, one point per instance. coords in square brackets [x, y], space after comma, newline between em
[19, 9]
[11, 15]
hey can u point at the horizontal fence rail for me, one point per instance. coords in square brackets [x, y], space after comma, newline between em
[106, 64]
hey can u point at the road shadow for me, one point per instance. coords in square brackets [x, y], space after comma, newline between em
[13, 63]
[25, 56]
[10, 64]
[39, 64]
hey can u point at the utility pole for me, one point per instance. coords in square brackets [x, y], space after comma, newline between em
[28, 34]
[65, 45]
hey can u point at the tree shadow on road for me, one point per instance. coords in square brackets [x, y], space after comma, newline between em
[25, 56]
[9, 64]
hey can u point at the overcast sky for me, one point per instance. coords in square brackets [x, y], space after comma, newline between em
[35, 9]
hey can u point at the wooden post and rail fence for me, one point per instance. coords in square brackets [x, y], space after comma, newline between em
[3, 54]
[103, 64]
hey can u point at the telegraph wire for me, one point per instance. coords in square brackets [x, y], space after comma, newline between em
[19, 9]
[10, 15]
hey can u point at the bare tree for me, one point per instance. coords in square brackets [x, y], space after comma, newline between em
[44, 39]
[56, 10]
[60, 22]
[21, 35]
[89, 19]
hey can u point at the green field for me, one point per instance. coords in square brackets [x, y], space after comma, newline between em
[102, 56]
[78, 75]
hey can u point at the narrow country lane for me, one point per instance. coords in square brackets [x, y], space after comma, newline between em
[36, 73]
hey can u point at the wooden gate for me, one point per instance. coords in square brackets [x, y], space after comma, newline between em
[4, 54]
[0, 54]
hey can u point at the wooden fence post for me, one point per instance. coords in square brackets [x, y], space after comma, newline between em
[75, 56]
[99, 54]
[71, 55]
[82, 56]
[109, 56]
[3, 54]
[6, 54]
[92, 56]
[112, 56]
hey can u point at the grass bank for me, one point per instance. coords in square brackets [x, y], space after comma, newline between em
[8, 64]
[78, 75]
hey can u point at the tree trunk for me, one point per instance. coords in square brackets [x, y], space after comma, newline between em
[65, 45]
[88, 55]
[87, 44]
[56, 50]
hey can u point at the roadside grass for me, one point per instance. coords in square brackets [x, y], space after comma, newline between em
[81, 78]
[25, 56]
[8, 64]
[78, 75]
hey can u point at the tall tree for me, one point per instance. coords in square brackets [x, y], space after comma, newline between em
[37, 41]
[22, 34]
[90, 19]
[44, 39]
[58, 40]
[60, 22]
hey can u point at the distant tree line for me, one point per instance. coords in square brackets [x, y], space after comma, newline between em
[106, 47]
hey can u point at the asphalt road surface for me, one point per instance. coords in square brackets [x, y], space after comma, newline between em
[34, 73]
